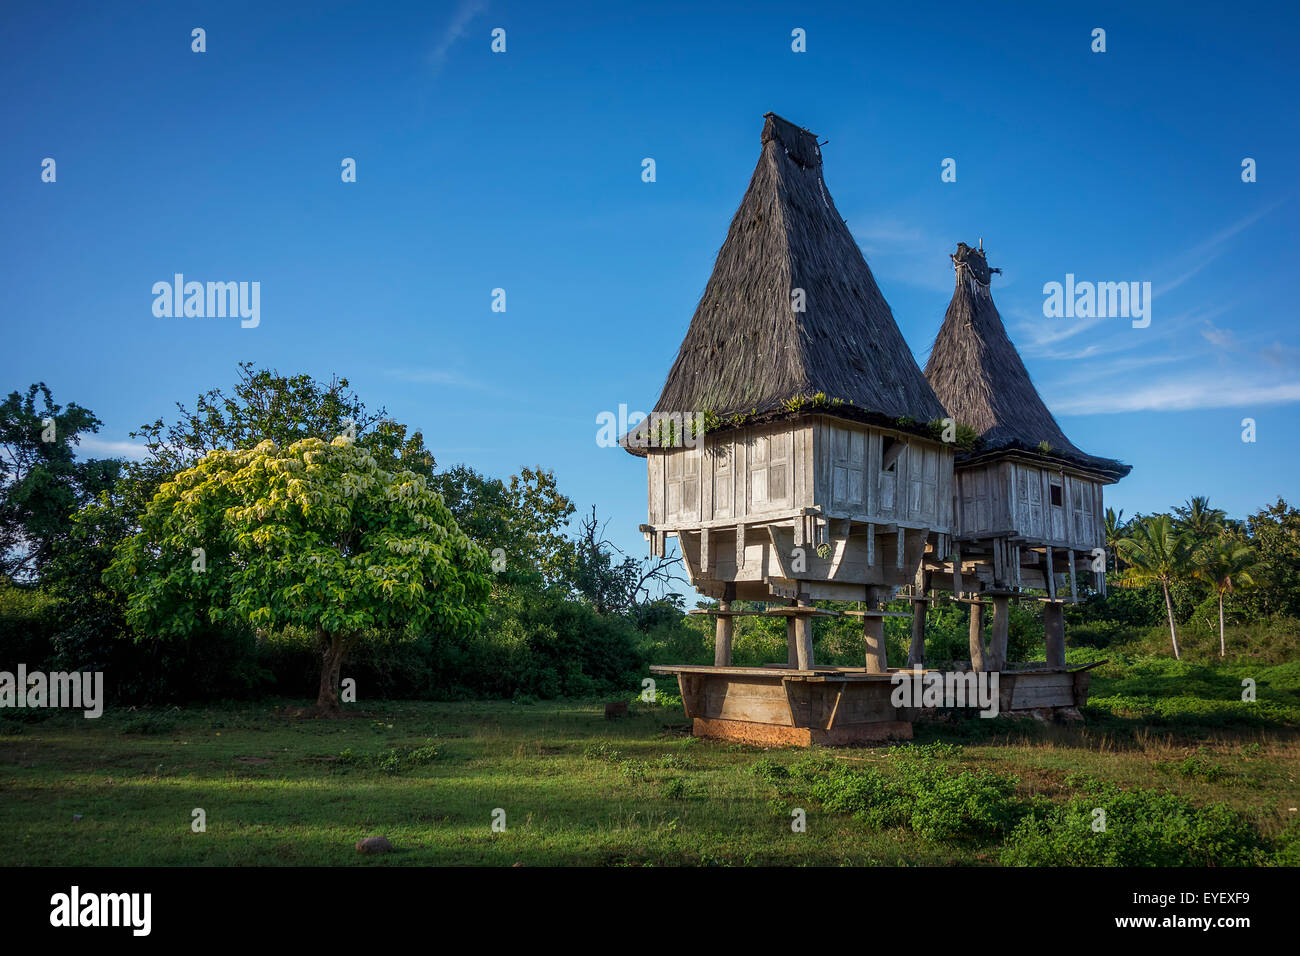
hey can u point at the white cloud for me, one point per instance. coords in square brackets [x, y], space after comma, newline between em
[1195, 391]
[466, 11]
[1222, 338]
[433, 376]
[92, 447]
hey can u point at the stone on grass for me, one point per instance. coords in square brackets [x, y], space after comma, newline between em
[374, 844]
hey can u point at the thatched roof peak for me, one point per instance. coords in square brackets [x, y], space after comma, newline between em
[799, 143]
[979, 376]
[792, 309]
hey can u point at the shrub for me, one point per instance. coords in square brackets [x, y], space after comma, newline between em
[393, 760]
[1142, 828]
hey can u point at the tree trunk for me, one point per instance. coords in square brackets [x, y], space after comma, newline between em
[1169, 606]
[1223, 650]
[332, 650]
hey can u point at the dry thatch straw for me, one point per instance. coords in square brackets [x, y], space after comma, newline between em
[748, 351]
[979, 377]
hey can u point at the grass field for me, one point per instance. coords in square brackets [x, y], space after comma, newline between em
[1214, 784]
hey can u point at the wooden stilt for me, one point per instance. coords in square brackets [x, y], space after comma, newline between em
[722, 636]
[916, 653]
[803, 638]
[791, 640]
[1001, 631]
[1051, 576]
[978, 656]
[1074, 588]
[873, 632]
[1054, 633]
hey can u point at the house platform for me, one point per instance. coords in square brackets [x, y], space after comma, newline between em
[779, 705]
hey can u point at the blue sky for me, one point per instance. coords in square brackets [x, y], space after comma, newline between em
[522, 170]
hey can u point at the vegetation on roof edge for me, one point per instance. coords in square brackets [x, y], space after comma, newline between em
[966, 438]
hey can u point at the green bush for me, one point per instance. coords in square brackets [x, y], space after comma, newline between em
[918, 793]
[393, 760]
[26, 627]
[1142, 828]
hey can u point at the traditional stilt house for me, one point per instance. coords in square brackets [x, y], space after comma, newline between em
[1028, 502]
[792, 455]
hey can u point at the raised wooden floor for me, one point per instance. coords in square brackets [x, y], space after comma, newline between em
[784, 706]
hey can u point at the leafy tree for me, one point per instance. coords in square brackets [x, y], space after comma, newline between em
[41, 482]
[1199, 520]
[524, 517]
[1225, 564]
[608, 584]
[316, 535]
[1115, 530]
[1155, 552]
[1275, 531]
[265, 405]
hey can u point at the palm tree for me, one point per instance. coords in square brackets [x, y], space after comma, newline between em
[1116, 531]
[1156, 552]
[1199, 520]
[1225, 564]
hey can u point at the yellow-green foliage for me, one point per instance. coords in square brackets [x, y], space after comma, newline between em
[317, 534]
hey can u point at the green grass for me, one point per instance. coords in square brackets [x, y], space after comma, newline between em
[577, 789]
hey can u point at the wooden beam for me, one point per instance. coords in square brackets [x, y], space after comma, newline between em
[722, 636]
[902, 541]
[803, 639]
[1051, 575]
[1074, 588]
[871, 545]
[916, 653]
[740, 545]
[956, 571]
[978, 655]
[1001, 632]
[1054, 633]
[704, 551]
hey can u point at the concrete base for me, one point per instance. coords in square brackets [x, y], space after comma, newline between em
[837, 706]
[774, 735]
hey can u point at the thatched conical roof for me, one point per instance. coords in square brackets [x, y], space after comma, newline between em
[748, 350]
[979, 377]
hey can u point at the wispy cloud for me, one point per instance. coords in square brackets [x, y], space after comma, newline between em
[1196, 390]
[433, 376]
[1221, 338]
[465, 11]
[93, 447]
[1203, 253]
[896, 250]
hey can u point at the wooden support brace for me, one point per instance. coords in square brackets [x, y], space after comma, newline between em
[803, 639]
[722, 636]
[1054, 633]
[1001, 632]
[978, 655]
[1051, 575]
[916, 652]
[1074, 588]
